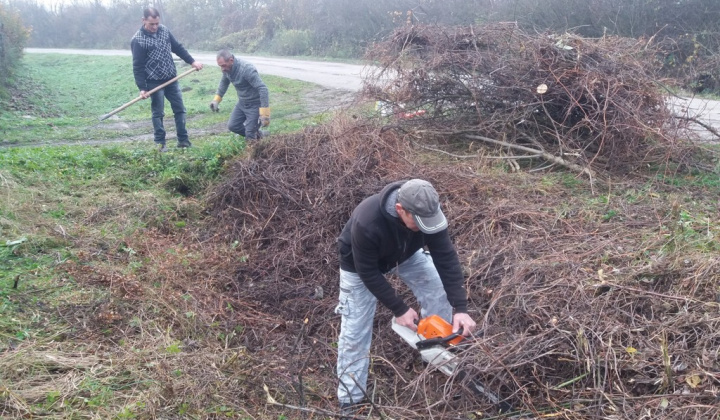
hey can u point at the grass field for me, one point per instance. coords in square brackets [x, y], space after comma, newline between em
[59, 200]
[63, 97]
[114, 301]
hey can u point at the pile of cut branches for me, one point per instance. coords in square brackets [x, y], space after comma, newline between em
[587, 104]
[585, 314]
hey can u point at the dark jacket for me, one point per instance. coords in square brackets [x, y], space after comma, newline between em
[251, 90]
[152, 56]
[373, 242]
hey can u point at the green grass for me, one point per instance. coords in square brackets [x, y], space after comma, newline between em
[48, 195]
[73, 92]
[58, 201]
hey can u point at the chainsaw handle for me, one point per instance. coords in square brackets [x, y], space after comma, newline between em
[423, 344]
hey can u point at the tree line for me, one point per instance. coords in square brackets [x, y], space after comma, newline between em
[689, 29]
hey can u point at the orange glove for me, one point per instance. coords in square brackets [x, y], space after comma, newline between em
[265, 116]
[215, 104]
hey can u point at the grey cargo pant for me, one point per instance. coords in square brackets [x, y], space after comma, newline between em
[357, 309]
[244, 120]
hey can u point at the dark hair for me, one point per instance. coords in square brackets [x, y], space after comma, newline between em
[225, 54]
[151, 12]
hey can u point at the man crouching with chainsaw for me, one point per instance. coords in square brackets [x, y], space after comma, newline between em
[386, 234]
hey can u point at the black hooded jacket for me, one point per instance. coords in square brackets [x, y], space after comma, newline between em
[373, 242]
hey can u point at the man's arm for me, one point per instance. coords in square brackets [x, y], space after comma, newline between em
[139, 56]
[181, 52]
[223, 86]
[178, 49]
[255, 81]
[447, 263]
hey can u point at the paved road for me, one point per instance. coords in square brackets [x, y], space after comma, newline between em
[332, 75]
[704, 110]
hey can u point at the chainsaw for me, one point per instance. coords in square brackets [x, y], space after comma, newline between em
[435, 340]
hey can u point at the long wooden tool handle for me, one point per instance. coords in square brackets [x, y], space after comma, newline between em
[115, 111]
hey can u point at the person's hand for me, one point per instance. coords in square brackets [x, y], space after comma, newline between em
[215, 104]
[463, 320]
[144, 94]
[408, 319]
[197, 65]
[265, 117]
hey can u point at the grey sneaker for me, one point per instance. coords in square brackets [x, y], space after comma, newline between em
[184, 144]
[162, 148]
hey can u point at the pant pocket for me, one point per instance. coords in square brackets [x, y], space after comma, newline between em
[343, 307]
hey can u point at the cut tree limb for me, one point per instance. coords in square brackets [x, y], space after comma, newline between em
[547, 156]
[702, 124]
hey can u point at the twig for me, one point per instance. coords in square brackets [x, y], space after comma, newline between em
[301, 390]
[473, 156]
[312, 410]
[570, 382]
[700, 123]
[367, 397]
[444, 152]
[243, 212]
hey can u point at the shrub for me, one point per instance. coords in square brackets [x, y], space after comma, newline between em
[246, 41]
[13, 36]
[292, 42]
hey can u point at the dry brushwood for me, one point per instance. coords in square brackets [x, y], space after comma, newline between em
[591, 103]
[574, 326]
[590, 310]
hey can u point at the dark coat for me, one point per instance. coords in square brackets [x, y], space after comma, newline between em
[152, 56]
[373, 242]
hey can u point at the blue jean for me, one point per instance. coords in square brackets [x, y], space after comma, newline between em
[244, 120]
[173, 94]
[357, 309]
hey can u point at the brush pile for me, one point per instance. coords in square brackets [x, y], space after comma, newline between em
[587, 311]
[587, 104]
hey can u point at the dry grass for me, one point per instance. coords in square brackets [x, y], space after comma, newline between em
[592, 306]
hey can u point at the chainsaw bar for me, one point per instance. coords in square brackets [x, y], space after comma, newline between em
[446, 362]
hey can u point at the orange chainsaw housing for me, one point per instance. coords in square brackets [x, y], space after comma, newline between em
[434, 326]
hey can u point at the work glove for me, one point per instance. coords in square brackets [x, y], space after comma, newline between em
[215, 104]
[265, 117]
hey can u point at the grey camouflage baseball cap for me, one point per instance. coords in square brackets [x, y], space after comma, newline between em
[422, 201]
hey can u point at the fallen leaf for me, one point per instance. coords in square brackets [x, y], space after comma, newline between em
[693, 380]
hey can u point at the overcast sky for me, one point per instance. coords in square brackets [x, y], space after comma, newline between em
[54, 2]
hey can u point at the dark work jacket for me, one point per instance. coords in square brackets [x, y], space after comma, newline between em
[373, 242]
